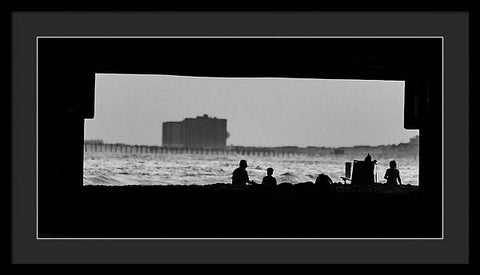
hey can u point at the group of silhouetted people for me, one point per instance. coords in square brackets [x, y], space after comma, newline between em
[240, 175]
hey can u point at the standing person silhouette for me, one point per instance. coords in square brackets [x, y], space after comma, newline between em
[268, 179]
[392, 174]
[240, 175]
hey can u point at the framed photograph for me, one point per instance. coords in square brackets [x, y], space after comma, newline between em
[244, 139]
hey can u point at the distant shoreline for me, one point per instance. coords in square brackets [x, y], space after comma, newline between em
[394, 150]
[283, 148]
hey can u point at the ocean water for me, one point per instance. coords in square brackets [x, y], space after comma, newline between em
[105, 168]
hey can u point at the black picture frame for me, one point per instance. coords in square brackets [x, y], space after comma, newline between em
[27, 28]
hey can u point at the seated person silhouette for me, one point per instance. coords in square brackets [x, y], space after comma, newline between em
[392, 174]
[268, 179]
[240, 175]
[368, 159]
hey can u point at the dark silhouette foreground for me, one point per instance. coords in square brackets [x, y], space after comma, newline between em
[363, 171]
[269, 180]
[392, 175]
[240, 175]
[253, 211]
[323, 209]
[324, 182]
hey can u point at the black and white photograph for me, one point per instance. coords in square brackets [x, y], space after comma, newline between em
[163, 131]
[246, 137]
[301, 138]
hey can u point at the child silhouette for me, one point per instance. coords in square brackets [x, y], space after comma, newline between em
[268, 179]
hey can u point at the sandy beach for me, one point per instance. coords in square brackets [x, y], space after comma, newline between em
[283, 188]
[302, 210]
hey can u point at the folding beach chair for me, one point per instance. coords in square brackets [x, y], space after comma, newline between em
[348, 172]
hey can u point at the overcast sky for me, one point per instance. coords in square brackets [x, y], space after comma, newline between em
[259, 111]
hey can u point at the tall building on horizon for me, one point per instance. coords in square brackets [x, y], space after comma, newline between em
[200, 132]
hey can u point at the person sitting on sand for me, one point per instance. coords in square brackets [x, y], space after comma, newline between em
[368, 159]
[392, 174]
[240, 175]
[268, 179]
